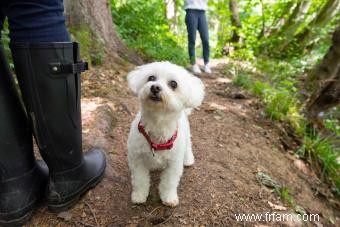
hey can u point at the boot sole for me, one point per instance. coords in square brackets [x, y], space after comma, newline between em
[19, 221]
[60, 207]
[24, 218]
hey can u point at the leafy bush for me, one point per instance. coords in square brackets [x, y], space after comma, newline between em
[243, 80]
[92, 49]
[324, 156]
[333, 125]
[278, 104]
[142, 25]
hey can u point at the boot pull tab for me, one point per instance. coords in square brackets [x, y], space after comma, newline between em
[66, 69]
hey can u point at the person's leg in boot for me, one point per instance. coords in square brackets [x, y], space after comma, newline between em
[22, 181]
[48, 68]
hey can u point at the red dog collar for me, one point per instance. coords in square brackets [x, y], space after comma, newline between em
[157, 146]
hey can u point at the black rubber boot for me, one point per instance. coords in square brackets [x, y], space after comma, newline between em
[49, 77]
[22, 181]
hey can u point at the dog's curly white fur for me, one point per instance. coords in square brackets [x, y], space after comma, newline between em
[162, 112]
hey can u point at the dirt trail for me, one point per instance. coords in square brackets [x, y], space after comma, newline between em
[232, 142]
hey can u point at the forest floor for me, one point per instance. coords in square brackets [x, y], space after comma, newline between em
[233, 143]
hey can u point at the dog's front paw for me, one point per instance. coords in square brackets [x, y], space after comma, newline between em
[138, 198]
[189, 158]
[189, 162]
[171, 201]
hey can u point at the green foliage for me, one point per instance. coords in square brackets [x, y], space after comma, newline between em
[143, 26]
[276, 85]
[5, 41]
[243, 54]
[331, 120]
[278, 104]
[268, 28]
[333, 125]
[324, 155]
[286, 196]
[92, 49]
[280, 44]
[219, 11]
[243, 80]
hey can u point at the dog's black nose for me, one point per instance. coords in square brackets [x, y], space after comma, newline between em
[155, 89]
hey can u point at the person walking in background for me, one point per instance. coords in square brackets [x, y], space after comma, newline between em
[195, 19]
[48, 68]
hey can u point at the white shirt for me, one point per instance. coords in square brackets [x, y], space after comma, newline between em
[196, 4]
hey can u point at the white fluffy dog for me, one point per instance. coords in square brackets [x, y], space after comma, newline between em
[159, 137]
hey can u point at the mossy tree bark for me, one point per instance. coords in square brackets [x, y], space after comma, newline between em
[281, 18]
[96, 16]
[307, 36]
[296, 18]
[327, 13]
[235, 41]
[324, 82]
[235, 21]
[292, 24]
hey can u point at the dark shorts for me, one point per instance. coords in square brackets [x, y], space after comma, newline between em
[34, 20]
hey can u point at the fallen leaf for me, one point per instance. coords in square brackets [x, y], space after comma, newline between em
[218, 117]
[215, 106]
[276, 207]
[223, 80]
[301, 165]
[65, 215]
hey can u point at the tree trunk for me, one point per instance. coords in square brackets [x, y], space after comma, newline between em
[96, 16]
[263, 29]
[280, 19]
[296, 18]
[289, 29]
[324, 82]
[171, 14]
[326, 14]
[235, 21]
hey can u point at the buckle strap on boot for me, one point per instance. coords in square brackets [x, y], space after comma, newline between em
[77, 67]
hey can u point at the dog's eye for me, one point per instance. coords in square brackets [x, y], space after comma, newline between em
[173, 84]
[152, 78]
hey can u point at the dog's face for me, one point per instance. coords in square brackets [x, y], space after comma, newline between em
[166, 86]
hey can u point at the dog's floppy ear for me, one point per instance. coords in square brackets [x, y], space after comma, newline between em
[196, 89]
[135, 79]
